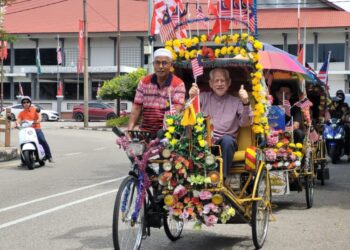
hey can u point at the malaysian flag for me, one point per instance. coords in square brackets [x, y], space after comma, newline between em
[167, 31]
[313, 136]
[197, 66]
[200, 15]
[323, 73]
[224, 11]
[175, 17]
[305, 103]
[59, 55]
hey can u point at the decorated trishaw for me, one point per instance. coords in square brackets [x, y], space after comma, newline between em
[189, 178]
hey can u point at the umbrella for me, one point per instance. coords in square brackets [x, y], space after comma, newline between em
[274, 58]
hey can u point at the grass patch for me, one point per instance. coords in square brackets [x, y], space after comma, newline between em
[119, 122]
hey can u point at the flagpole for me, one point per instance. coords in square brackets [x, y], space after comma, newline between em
[231, 12]
[304, 46]
[197, 20]
[240, 14]
[248, 14]
[58, 46]
[220, 1]
[209, 17]
[189, 25]
[298, 26]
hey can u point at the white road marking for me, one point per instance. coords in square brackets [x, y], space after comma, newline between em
[99, 149]
[60, 194]
[23, 219]
[71, 154]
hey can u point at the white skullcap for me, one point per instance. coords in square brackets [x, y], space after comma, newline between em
[162, 52]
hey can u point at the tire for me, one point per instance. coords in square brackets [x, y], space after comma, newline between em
[309, 192]
[333, 155]
[111, 116]
[172, 228]
[28, 157]
[44, 118]
[13, 117]
[79, 117]
[127, 235]
[261, 210]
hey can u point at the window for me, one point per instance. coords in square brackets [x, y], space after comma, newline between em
[48, 56]
[337, 52]
[48, 90]
[278, 46]
[26, 87]
[25, 56]
[292, 49]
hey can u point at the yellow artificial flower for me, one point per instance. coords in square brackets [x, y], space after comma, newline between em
[198, 128]
[243, 52]
[236, 50]
[256, 57]
[257, 119]
[174, 56]
[298, 154]
[202, 143]
[258, 45]
[264, 120]
[200, 120]
[177, 43]
[169, 43]
[182, 53]
[169, 48]
[193, 53]
[200, 137]
[171, 129]
[244, 36]
[299, 145]
[173, 142]
[195, 40]
[167, 135]
[199, 52]
[169, 121]
[258, 66]
[255, 81]
[230, 50]
[257, 129]
[217, 40]
[291, 145]
[187, 55]
[235, 38]
[188, 43]
[203, 38]
[223, 51]
[217, 52]
[251, 39]
[280, 144]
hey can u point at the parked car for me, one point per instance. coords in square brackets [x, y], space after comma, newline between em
[97, 111]
[47, 115]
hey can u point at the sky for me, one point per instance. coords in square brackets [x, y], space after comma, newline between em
[345, 4]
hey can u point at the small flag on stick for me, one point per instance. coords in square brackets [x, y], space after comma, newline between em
[197, 66]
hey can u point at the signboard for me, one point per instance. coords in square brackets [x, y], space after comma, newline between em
[276, 117]
[279, 183]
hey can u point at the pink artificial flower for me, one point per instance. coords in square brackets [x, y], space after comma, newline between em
[210, 207]
[205, 195]
[180, 191]
[210, 220]
[270, 155]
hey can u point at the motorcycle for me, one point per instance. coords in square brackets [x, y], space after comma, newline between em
[31, 150]
[334, 135]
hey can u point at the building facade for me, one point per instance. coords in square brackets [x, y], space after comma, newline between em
[277, 23]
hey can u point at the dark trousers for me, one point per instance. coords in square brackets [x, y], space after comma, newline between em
[228, 147]
[299, 135]
[347, 139]
[43, 142]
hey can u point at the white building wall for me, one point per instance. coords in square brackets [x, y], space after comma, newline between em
[102, 52]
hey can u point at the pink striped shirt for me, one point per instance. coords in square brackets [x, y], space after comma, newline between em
[227, 112]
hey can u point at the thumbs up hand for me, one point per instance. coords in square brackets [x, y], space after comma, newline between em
[243, 95]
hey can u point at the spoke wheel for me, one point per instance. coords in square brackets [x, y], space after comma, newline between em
[127, 234]
[172, 227]
[261, 210]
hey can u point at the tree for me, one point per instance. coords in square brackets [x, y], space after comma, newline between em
[123, 86]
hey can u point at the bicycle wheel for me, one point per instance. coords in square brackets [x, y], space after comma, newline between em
[309, 191]
[172, 228]
[127, 233]
[261, 210]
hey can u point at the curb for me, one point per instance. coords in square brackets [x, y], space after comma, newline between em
[88, 128]
[8, 153]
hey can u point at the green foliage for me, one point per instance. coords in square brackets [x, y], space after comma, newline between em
[119, 122]
[123, 86]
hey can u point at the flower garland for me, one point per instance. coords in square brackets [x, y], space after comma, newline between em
[190, 171]
[281, 153]
[231, 46]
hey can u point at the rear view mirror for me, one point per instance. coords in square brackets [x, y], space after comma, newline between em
[38, 110]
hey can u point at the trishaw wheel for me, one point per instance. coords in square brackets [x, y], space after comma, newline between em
[261, 210]
[172, 227]
[127, 234]
[309, 191]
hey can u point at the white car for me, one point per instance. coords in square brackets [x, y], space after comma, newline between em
[47, 115]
